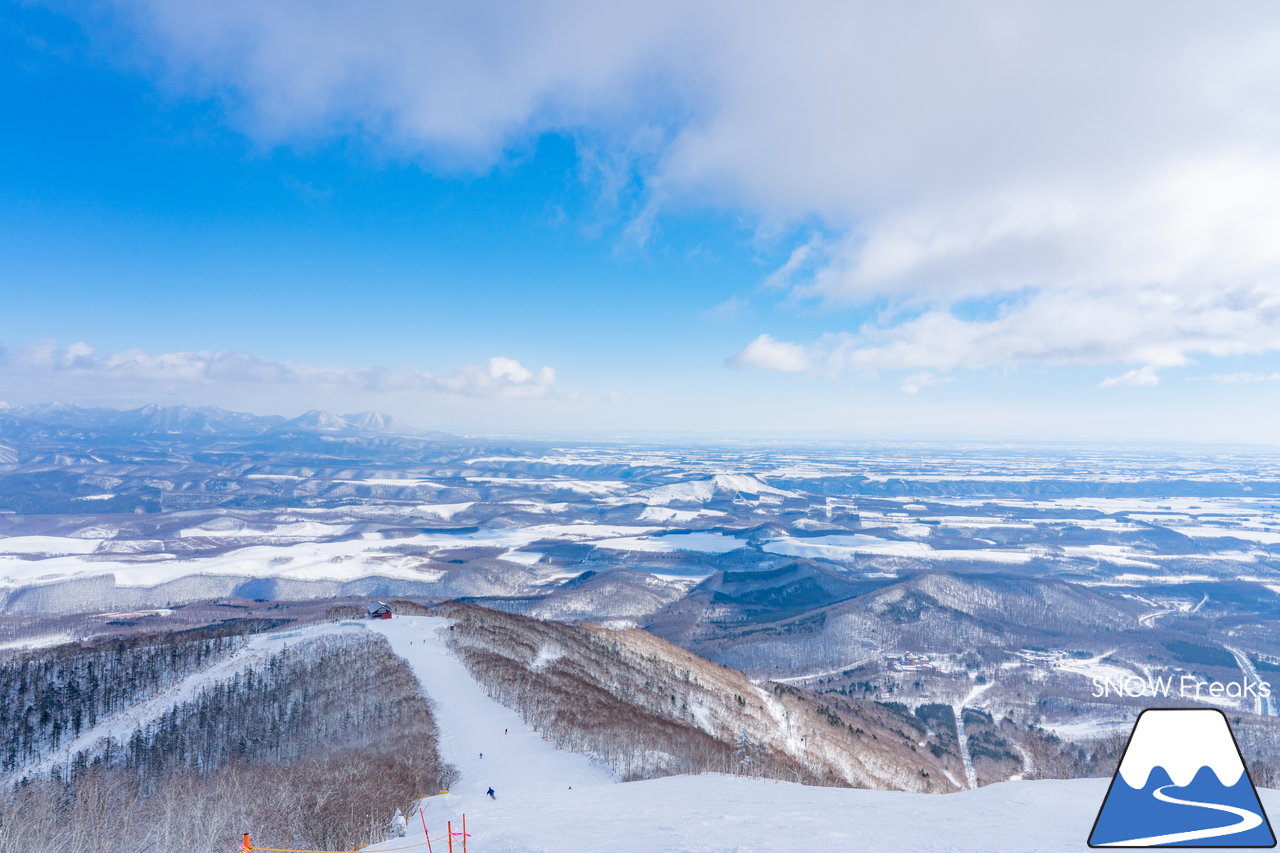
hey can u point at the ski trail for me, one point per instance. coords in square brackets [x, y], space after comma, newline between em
[962, 739]
[1248, 820]
[520, 766]
[1028, 763]
[1263, 705]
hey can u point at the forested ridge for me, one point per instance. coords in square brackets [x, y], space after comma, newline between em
[314, 746]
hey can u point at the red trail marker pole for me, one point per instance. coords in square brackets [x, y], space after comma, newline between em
[464, 832]
[449, 827]
[425, 831]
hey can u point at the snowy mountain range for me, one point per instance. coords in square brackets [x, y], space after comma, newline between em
[155, 419]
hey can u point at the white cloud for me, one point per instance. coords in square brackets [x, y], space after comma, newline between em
[1138, 377]
[1107, 172]
[768, 353]
[499, 377]
[917, 382]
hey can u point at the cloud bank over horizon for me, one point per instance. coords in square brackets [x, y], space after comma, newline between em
[971, 185]
[202, 374]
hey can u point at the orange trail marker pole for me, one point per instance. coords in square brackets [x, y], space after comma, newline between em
[247, 844]
[425, 831]
[449, 826]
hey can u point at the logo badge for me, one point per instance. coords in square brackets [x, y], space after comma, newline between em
[1181, 783]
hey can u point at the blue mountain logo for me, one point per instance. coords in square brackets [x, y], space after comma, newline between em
[1181, 783]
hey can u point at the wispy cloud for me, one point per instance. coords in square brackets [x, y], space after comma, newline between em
[499, 377]
[1149, 326]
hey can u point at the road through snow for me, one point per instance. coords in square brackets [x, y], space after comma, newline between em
[1263, 705]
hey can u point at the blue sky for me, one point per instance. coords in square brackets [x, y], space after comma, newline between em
[836, 220]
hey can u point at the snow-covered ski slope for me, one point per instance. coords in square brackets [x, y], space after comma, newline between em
[537, 810]
[517, 763]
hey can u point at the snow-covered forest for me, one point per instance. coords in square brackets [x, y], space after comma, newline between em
[48, 697]
[314, 743]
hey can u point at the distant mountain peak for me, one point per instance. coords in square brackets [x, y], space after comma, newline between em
[380, 422]
[704, 489]
[317, 419]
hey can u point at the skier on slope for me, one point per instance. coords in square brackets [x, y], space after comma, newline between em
[490, 793]
[398, 825]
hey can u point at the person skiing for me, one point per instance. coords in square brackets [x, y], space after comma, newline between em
[482, 755]
[490, 793]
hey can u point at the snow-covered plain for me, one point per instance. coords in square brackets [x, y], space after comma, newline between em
[658, 502]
